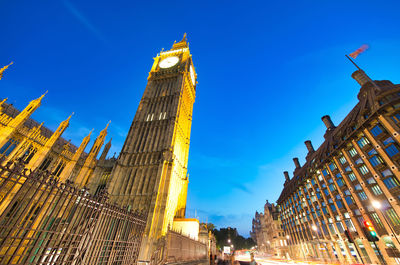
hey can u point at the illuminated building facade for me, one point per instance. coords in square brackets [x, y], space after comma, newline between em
[22, 138]
[267, 231]
[328, 199]
[150, 174]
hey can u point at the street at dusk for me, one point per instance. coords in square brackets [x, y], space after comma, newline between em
[199, 132]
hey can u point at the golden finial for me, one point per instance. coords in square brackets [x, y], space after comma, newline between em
[184, 37]
[2, 102]
[3, 69]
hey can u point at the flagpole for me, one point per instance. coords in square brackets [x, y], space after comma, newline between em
[369, 79]
[348, 57]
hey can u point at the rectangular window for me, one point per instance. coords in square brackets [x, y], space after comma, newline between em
[353, 152]
[358, 187]
[333, 208]
[376, 219]
[342, 160]
[396, 117]
[388, 141]
[362, 142]
[359, 161]
[340, 182]
[387, 173]
[372, 152]
[362, 196]
[332, 187]
[375, 160]
[394, 218]
[349, 200]
[391, 182]
[376, 190]
[391, 150]
[352, 177]
[377, 130]
[324, 172]
[371, 180]
[364, 170]
[332, 166]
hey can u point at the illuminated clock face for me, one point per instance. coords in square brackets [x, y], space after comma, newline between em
[169, 62]
[192, 74]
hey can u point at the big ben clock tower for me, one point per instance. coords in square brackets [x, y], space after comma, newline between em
[151, 172]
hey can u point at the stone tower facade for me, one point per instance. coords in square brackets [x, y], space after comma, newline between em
[151, 172]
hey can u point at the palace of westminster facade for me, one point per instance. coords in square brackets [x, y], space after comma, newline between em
[351, 179]
[150, 173]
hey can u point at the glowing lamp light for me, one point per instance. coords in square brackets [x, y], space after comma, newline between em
[376, 204]
[314, 227]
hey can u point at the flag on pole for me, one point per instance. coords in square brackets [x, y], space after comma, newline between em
[359, 51]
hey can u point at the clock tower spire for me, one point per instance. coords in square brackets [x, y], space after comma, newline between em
[150, 174]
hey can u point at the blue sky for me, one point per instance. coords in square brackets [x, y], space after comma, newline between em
[267, 72]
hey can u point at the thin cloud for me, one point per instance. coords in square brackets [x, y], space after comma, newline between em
[83, 20]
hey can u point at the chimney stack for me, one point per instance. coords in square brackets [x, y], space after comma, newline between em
[361, 77]
[328, 122]
[286, 176]
[310, 147]
[296, 162]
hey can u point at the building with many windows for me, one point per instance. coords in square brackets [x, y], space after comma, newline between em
[267, 232]
[351, 178]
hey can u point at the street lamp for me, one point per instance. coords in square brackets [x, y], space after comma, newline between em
[229, 240]
[377, 205]
[314, 227]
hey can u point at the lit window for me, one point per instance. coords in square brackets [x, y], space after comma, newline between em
[362, 196]
[353, 152]
[352, 177]
[363, 169]
[358, 187]
[362, 142]
[394, 218]
[342, 160]
[376, 219]
[376, 190]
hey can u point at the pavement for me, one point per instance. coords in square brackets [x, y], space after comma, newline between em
[245, 260]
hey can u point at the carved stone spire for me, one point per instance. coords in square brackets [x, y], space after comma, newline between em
[41, 154]
[7, 131]
[3, 69]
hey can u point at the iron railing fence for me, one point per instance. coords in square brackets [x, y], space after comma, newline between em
[43, 221]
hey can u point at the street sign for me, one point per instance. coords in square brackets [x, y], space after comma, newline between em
[227, 250]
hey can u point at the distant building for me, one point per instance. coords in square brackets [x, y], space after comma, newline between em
[267, 232]
[328, 199]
